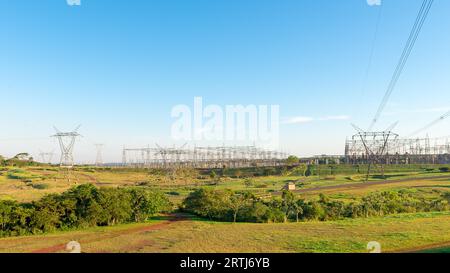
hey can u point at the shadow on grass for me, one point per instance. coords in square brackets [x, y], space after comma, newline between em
[433, 186]
[388, 176]
[161, 218]
[445, 250]
[175, 216]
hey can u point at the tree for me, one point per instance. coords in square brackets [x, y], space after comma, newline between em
[6, 209]
[49, 211]
[208, 203]
[314, 211]
[145, 203]
[87, 209]
[308, 171]
[23, 157]
[44, 220]
[292, 160]
[297, 207]
[116, 206]
[269, 171]
[248, 182]
[237, 201]
[288, 203]
[213, 175]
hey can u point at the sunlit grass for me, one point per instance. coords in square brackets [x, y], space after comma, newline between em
[395, 233]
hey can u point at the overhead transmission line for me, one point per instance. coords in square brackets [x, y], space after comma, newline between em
[418, 24]
[428, 126]
[372, 50]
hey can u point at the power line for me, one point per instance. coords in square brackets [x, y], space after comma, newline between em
[372, 50]
[418, 24]
[441, 118]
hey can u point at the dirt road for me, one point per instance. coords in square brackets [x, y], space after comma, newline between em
[150, 227]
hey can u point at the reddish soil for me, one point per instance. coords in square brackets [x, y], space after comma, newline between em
[151, 227]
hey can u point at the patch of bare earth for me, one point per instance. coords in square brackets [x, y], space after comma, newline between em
[173, 218]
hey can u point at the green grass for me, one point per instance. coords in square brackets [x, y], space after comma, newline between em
[438, 250]
[395, 233]
[12, 182]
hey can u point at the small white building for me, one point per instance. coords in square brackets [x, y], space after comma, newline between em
[289, 186]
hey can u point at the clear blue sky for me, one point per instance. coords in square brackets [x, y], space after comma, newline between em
[118, 68]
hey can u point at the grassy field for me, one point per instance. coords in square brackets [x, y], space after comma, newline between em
[398, 233]
[422, 232]
[31, 183]
[437, 250]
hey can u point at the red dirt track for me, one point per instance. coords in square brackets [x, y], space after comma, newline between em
[151, 227]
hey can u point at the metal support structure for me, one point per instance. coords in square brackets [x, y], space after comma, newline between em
[46, 157]
[99, 157]
[66, 143]
[374, 147]
[201, 157]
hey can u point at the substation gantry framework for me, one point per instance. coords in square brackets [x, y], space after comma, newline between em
[388, 148]
[201, 157]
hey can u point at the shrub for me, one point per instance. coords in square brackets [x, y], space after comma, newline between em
[269, 172]
[16, 174]
[82, 206]
[221, 205]
[146, 203]
[40, 186]
[208, 203]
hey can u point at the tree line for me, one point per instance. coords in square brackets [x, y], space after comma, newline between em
[227, 205]
[81, 207]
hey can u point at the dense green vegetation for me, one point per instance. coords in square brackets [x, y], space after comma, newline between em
[19, 160]
[227, 205]
[81, 207]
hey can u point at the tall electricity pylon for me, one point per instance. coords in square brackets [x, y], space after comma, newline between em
[99, 158]
[66, 143]
[376, 147]
[46, 157]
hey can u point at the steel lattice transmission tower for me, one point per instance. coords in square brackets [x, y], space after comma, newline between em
[46, 157]
[376, 146]
[66, 143]
[99, 158]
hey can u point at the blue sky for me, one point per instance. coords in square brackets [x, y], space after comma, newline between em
[118, 68]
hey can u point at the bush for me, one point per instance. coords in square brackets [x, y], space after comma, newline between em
[208, 203]
[255, 212]
[16, 174]
[40, 186]
[269, 172]
[221, 205]
[82, 206]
